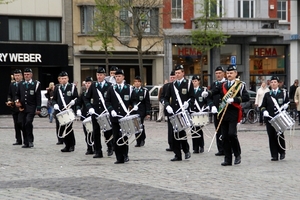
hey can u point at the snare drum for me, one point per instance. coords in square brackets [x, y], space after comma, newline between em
[65, 117]
[181, 121]
[200, 118]
[131, 124]
[104, 122]
[87, 122]
[282, 121]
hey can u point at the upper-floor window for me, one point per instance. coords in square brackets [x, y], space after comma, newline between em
[215, 8]
[124, 29]
[177, 9]
[282, 10]
[147, 20]
[33, 29]
[246, 8]
[87, 14]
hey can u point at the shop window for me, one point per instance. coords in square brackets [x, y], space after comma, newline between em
[31, 29]
[282, 10]
[246, 8]
[147, 20]
[230, 50]
[177, 9]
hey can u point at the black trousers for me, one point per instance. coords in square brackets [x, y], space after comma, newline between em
[274, 146]
[18, 127]
[219, 140]
[142, 137]
[170, 134]
[88, 139]
[198, 142]
[97, 136]
[230, 139]
[60, 140]
[180, 144]
[27, 126]
[120, 151]
[69, 139]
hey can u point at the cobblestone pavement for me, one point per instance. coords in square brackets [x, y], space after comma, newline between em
[43, 172]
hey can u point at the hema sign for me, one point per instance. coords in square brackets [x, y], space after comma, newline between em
[34, 54]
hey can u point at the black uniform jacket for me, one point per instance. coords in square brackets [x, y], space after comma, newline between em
[69, 93]
[11, 95]
[200, 100]
[141, 95]
[216, 99]
[80, 104]
[281, 97]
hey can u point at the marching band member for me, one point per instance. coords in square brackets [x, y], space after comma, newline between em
[271, 102]
[82, 112]
[28, 96]
[111, 78]
[141, 95]
[219, 74]
[233, 92]
[162, 101]
[117, 102]
[200, 102]
[181, 92]
[64, 95]
[59, 139]
[13, 87]
[96, 104]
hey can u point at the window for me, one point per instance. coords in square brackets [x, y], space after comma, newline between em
[31, 29]
[87, 14]
[246, 8]
[124, 29]
[215, 8]
[147, 20]
[281, 10]
[177, 9]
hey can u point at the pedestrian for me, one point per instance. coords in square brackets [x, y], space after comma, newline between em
[297, 102]
[233, 92]
[273, 101]
[161, 110]
[11, 96]
[64, 99]
[140, 95]
[95, 103]
[259, 98]
[49, 96]
[28, 99]
[181, 92]
[293, 90]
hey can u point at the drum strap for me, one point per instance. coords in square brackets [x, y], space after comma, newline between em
[37, 85]
[62, 98]
[197, 105]
[121, 101]
[102, 99]
[275, 103]
[177, 95]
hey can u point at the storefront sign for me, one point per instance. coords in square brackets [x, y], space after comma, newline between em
[185, 51]
[21, 57]
[265, 52]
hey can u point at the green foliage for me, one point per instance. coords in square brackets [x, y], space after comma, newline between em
[5, 1]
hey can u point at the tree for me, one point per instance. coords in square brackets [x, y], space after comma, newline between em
[136, 25]
[208, 33]
[5, 1]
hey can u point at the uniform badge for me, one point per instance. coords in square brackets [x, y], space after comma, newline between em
[69, 93]
[280, 101]
[105, 93]
[141, 98]
[92, 101]
[31, 92]
[200, 99]
[126, 97]
[183, 91]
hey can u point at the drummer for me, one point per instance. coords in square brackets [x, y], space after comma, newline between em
[62, 100]
[118, 101]
[180, 101]
[96, 105]
[269, 109]
[82, 112]
[199, 106]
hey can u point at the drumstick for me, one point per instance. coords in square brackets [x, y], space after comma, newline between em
[132, 109]
[180, 107]
[68, 104]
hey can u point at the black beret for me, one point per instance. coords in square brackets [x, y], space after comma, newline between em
[113, 68]
[63, 73]
[196, 77]
[119, 71]
[27, 70]
[88, 79]
[178, 67]
[138, 78]
[17, 71]
[275, 78]
[172, 73]
[231, 68]
[220, 68]
[101, 70]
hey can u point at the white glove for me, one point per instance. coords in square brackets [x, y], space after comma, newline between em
[214, 109]
[266, 113]
[230, 100]
[204, 94]
[285, 106]
[78, 113]
[72, 102]
[56, 107]
[169, 109]
[91, 111]
[135, 108]
[185, 105]
[113, 113]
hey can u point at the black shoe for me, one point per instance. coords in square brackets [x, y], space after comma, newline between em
[176, 159]
[274, 159]
[137, 145]
[201, 149]
[25, 146]
[30, 144]
[126, 158]
[59, 143]
[17, 143]
[89, 152]
[72, 148]
[195, 151]
[98, 155]
[119, 162]
[237, 160]
[219, 154]
[65, 149]
[169, 149]
[187, 155]
[110, 152]
[142, 143]
[226, 163]
[282, 156]
[158, 120]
